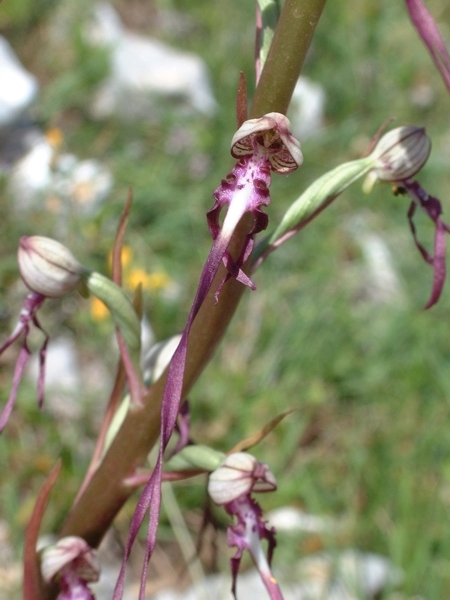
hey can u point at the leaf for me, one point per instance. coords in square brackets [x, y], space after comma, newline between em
[261, 434]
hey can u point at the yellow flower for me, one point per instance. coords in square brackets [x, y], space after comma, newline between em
[54, 137]
[98, 310]
[158, 280]
[126, 256]
[150, 281]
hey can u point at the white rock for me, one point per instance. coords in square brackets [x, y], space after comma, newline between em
[378, 279]
[18, 87]
[43, 180]
[143, 70]
[31, 175]
[350, 575]
[307, 109]
[62, 370]
[291, 519]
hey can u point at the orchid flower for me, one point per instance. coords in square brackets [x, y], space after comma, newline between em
[261, 146]
[231, 486]
[49, 270]
[432, 207]
[399, 155]
[71, 564]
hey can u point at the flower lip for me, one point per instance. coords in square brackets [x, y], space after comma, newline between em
[272, 133]
[401, 153]
[47, 267]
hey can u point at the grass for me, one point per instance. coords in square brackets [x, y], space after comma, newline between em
[369, 441]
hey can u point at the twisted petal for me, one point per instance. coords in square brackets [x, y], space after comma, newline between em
[428, 31]
[27, 317]
[432, 207]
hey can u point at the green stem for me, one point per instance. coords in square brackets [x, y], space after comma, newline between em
[95, 510]
[287, 53]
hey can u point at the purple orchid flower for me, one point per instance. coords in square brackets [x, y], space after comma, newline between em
[398, 156]
[49, 270]
[261, 146]
[429, 32]
[231, 486]
[72, 565]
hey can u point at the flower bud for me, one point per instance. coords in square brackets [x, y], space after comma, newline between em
[400, 153]
[239, 475]
[47, 267]
[273, 133]
[73, 551]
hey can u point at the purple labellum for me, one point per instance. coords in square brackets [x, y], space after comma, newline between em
[428, 31]
[432, 207]
[261, 145]
[31, 304]
[247, 535]
[73, 587]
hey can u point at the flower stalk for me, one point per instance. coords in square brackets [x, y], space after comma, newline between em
[107, 492]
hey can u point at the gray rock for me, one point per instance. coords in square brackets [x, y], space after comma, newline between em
[144, 70]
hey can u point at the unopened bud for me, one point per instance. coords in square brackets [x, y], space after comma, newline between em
[400, 154]
[47, 267]
[239, 475]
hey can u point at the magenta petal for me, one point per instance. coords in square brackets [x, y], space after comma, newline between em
[423, 251]
[21, 363]
[438, 264]
[41, 376]
[428, 31]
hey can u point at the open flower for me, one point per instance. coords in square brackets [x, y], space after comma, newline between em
[261, 145]
[49, 270]
[71, 564]
[231, 486]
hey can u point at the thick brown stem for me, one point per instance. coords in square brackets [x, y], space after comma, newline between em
[104, 496]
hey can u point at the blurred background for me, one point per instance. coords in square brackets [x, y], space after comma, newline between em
[98, 97]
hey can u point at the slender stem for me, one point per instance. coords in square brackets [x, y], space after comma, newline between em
[106, 493]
